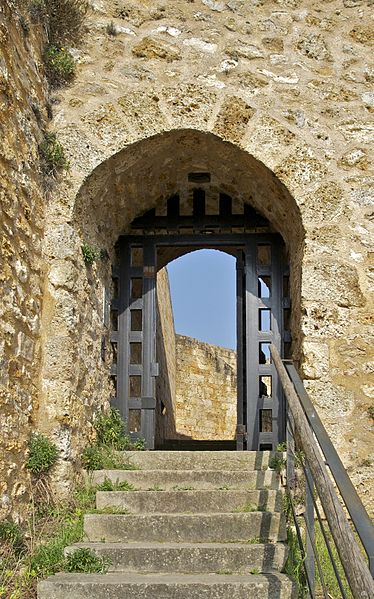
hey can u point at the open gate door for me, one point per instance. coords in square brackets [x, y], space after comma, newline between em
[263, 310]
[136, 358]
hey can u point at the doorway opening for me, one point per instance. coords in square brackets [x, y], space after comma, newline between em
[200, 318]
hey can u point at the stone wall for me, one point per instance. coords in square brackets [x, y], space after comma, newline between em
[205, 406]
[22, 201]
[274, 99]
[166, 358]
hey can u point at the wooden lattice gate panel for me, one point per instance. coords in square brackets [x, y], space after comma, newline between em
[264, 315]
[136, 367]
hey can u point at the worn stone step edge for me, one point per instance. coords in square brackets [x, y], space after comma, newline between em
[192, 460]
[190, 528]
[187, 501]
[167, 586]
[189, 558]
[204, 479]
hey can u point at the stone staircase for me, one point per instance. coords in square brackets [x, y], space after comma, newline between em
[200, 524]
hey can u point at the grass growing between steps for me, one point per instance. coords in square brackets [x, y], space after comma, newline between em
[295, 568]
[248, 508]
[36, 551]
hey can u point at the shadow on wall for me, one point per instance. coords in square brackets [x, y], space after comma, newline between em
[166, 355]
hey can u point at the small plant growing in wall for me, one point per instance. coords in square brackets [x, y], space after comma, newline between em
[64, 23]
[90, 254]
[59, 64]
[52, 154]
[111, 29]
[43, 454]
[371, 411]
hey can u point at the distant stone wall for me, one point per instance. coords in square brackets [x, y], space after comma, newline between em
[205, 406]
[22, 201]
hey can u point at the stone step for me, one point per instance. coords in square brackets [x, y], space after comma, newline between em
[199, 460]
[185, 528]
[167, 586]
[185, 501]
[194, 479]
[188, 558]
[197, 444]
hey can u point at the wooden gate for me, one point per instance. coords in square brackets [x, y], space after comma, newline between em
[262, 318]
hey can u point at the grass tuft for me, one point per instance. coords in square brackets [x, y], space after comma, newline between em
[59, 64]
[85, 560]
[108, 485]
[43, 454]
[53, 155]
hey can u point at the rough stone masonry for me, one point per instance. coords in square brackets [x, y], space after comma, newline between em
[274, 98]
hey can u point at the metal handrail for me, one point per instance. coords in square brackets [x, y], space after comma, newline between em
[353, 503]
[304, 424]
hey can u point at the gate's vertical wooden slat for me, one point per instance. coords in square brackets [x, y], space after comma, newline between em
[123, 331]
[240, 306]
[149, 340]
[251, 342]
[276, 338]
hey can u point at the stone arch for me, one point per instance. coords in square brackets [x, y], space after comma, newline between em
[120, 188]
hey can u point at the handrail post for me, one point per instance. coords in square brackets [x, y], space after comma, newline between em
[290, 448]
[310, 529]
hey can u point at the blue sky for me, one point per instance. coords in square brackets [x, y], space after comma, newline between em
[203, 291]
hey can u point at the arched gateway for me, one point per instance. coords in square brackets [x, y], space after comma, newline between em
[203, 218]
[168, 195]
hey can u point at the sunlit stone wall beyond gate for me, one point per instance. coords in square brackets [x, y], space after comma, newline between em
[206, 394]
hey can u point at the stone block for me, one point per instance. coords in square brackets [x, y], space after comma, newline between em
[332, 282]
[300, 169]
[233, 118]
[156, 48]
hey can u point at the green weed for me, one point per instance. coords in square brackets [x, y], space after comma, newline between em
[111, 29]
[110, 430]
[277, 463]
[250, 508]
[59, 65]
[104, 458]
[27, 557]
[326, 565]
[108, 485]
[11, 534]
[295, 563]
[90, 254]
[281, 447]
[53, 155]
[85, 560]
[111, 438]
[43, 454]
